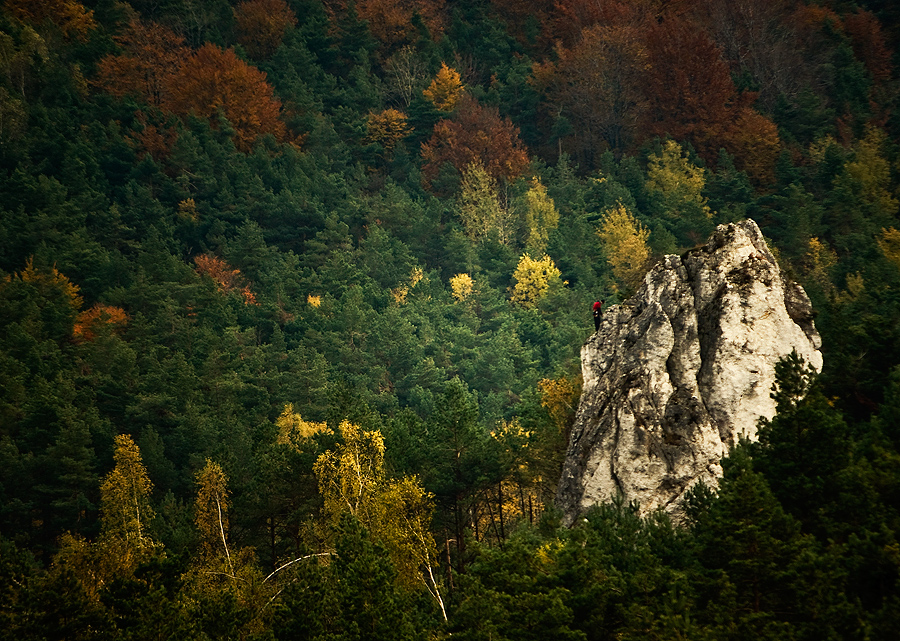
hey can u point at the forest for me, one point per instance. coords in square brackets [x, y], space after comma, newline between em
[292, 295]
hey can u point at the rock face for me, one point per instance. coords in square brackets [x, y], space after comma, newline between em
[679, 372]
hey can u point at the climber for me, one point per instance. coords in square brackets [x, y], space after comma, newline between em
[598, 313]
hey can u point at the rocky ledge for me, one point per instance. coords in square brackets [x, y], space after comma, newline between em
[675, 375]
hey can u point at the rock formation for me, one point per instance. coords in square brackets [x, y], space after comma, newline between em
[679, 372]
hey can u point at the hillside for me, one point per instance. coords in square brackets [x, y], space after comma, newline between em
[292, 295]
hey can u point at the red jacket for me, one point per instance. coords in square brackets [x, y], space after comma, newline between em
[597, 306]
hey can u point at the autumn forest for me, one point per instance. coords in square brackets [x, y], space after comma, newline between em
[292, 294]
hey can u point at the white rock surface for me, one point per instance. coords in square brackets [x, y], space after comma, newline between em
[679, 372]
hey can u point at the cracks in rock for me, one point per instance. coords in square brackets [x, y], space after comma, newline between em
[612, 459]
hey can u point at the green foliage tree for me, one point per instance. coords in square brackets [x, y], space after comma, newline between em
[678, 183]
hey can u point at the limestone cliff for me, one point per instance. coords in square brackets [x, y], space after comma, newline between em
[681, 370]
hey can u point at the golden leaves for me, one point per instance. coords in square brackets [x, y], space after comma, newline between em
[292, 429]
[534, 279]
[462, 287]
[624, 240]
[397, 512]
[889, 243]
[47, 280]
[125, 499]
[541, 217]
[445, 90]
[386, 128]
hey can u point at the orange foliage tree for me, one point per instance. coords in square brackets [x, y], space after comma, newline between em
[214, 81]
[391, 21]
[387, 128]
[157, 67]
[692, 97]
[226, 278]
[869, 44]
[260, 25]
[596, 85]
[570, 18]
[68, 15]
[146, 68]
[688, 86]
[475, 134]
[154, 139]
[89, 322]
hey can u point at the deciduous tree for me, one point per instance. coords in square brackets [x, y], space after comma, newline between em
[541, 218]
[595, 85]
[397, 512]
[147, 67]
[462, 287]
[90, 321]
[227, 279]
[475, 134]
[387, 128]
[889, 243]
[624, 240]
[534, 279]
[68, 15]
[213, 82]
[125, 500]
[480, 209]
[678, 183]
[445, 90]
[391, 21]
[260, 25]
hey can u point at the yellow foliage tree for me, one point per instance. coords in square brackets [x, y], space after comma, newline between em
[125, 499]
[125, 514]
[479, 206]
[819, 260]
[211, 511]
[889, 243]
[534, 279]
[396, 512]
[462, 287]
[446, 89]
[873, 172]
[560, 397]
[541, 218]
[387, 128]
[217, 569]
[292, 429]
[624, 240]
[50, 281]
